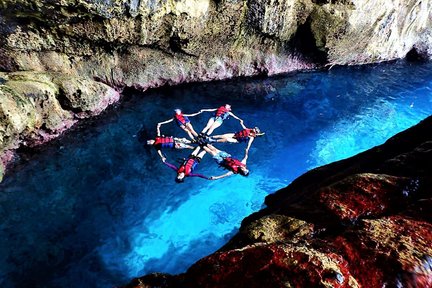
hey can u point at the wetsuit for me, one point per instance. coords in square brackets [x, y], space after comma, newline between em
[243, 135]
[181, 119]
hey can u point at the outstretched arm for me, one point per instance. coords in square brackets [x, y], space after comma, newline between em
[161, 123]
[199, 175]
[221, 176]
[194, 114]
[158, 133]
[208, 110]
[165, 122]
[251, 139]
[244, 160]
[170, 166]
[234, 116]
[242, 124]
[161, 155]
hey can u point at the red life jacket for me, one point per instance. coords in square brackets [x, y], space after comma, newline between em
[164, 142]
[222, 112]
[187, 166]
[232, 164]
[244, 134]
[180, 118]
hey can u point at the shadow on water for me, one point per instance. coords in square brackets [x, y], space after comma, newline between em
[95, 208]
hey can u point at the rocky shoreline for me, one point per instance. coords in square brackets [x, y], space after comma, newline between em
[360, 222]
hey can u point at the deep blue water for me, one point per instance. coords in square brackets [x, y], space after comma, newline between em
[95, 208]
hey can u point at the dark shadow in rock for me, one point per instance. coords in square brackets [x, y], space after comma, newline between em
[416, 56]
[303, 44]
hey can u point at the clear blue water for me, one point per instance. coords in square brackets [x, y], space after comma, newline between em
[96, 208]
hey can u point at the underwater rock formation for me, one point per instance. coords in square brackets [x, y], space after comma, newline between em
[360, 222]
[142, 44]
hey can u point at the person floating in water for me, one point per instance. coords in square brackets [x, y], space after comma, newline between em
[245, 135]
[169, 142]
[226, 161]
[183, 122]
[214, 122]
[188, 166]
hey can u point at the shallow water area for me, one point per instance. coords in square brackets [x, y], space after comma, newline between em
[96, 208]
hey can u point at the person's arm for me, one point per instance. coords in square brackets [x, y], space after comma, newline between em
[162, 123]
[242, 124]
[208, 110]
[170, 165]
[193, 114]
[244, 160]
[199, 175]
[161, 155]
[234, 116]
[251, 139]
[221, 176]
[165, 122]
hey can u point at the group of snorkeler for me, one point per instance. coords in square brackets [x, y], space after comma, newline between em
[204, 140]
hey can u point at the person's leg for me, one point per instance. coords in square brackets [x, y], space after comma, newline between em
[181, 145]
[195, 152]
[191, 130]
[187, 131]
[201, 155]
[220, 138]
[209, 124]
[209, 150]
[232, 139]
[182, 140]
[215, 125]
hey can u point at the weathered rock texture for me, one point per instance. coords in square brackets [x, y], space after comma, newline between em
[361, 222]
[142, 44]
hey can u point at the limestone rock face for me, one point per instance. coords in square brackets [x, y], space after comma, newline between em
[142, 44]
[36, 107]
[360, 222]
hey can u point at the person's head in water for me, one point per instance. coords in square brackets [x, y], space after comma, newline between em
[258, 132]
[243, 171]
[228, 107]
[180, 177]
[177, 111]
[150, 142]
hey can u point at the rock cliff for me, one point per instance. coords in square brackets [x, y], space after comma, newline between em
[68, 59]
[361, 222]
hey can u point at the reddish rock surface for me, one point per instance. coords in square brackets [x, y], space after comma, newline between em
[361, 222]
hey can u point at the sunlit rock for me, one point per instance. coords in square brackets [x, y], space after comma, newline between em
[37, 107]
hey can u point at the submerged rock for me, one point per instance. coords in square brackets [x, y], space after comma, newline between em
[360, 222]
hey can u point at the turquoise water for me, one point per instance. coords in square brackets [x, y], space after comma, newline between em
[95, 208]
